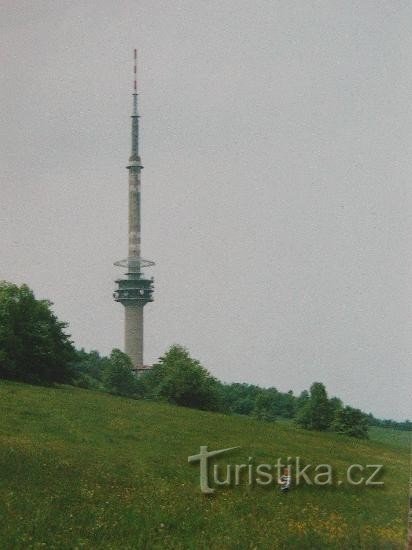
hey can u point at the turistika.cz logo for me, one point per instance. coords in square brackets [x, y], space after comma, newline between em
[287, 474]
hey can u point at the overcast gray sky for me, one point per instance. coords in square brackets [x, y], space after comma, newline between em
[276, 189]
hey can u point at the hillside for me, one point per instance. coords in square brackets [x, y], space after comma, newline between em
[81, 469]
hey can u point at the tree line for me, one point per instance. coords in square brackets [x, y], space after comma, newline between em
[179, 379]
[35, 348]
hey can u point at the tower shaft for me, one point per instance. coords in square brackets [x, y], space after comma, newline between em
[134, 215]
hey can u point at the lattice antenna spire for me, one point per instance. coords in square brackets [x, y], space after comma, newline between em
[135, 112]
[135, 71]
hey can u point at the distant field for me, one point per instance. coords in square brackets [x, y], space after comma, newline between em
[81, 469]
[395, 438]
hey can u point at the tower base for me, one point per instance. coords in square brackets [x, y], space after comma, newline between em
[133, 334]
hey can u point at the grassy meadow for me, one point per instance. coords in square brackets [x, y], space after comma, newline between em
[81, 469]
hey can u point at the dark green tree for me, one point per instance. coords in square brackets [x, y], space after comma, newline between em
[287, 404]
[89, 369]
[243, 405]
[182, 380]
[351, 422]
[302, 399]
[316, 412]
[335, 405]
[34, 347]
[119, 378]
[267, 405]
[239, 398]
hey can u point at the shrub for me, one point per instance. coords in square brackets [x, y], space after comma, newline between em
[351, 422]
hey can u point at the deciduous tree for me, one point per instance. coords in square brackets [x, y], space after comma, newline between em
[34, 346]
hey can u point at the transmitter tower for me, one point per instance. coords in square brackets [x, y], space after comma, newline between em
[134, 290]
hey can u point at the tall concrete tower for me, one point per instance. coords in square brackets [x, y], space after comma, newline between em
[134, 291]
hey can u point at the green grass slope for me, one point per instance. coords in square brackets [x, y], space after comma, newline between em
[81, 469]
